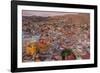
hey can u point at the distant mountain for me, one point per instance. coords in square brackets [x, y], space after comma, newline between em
[34, 18]
[81, 18]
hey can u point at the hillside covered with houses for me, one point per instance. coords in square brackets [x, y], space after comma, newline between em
[52, 38]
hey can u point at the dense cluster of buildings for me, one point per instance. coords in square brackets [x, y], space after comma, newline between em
[59, 33]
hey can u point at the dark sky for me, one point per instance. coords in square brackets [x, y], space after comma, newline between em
[43, 13]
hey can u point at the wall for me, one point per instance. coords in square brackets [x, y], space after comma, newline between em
[5, 36]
